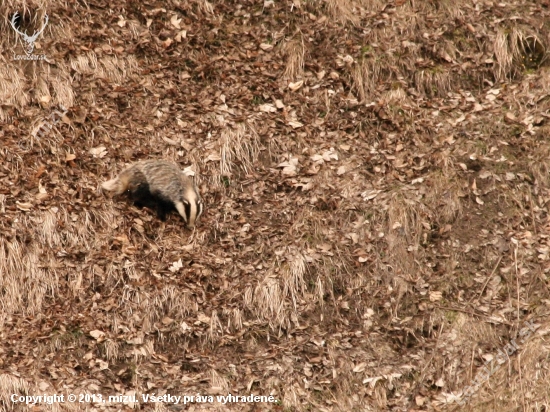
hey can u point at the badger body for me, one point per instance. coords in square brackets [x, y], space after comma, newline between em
[161, 186]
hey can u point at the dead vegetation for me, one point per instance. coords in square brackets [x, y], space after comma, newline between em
[376, 182]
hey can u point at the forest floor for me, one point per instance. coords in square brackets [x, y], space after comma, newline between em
[376, 181]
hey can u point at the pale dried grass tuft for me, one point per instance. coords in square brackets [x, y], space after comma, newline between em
[235, 318]
[117, 69]
[204, 6]
[170, 301]
[111, 350]
[473, 331]
[215, 329]
[47, 232]
[61, 29]
[13, 82]
[365, 75]
[217, 381]
[85, 63]
[144, 351]
[113, 68]
[61, 85]
[370, 71]
[23, 6]
[395, 98]
[504, 54]
[433, 82]
[275, 298]
[350, 11]
[540, 166]
[266, 301]
[294, 52]
[293, 277]
[359, 81]
[25, 281]
[238, 146]
[448, 8]
[320, 291]
[176, 302]
[515, 51]
[42, 88]
[12, 88]
[75, 283]
[325, 272]
[9, 385]
[344, 387]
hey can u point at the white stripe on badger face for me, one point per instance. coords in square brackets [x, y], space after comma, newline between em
[192, 198]
[181, 210]
[193, 216]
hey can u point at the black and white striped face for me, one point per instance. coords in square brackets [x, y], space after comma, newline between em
[191, 205]
[192, 211]
[200, 208]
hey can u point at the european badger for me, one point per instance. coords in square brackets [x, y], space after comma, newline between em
[161, 186]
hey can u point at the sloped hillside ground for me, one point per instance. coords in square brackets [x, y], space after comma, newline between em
[376, 176]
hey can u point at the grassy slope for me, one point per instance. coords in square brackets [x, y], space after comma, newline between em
[376, 177]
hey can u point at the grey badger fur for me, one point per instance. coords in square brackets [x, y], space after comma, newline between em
[161, 186]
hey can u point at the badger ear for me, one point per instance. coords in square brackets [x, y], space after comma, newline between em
[185, 202]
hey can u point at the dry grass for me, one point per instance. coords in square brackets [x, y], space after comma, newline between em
[433, 82]
[405, 246]
[276, 297]
[517, 50]
[12, 89]
[239, 148]
[294, 52]
[10, 384]
[351, 11]
[204, 6]
[366, 75]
